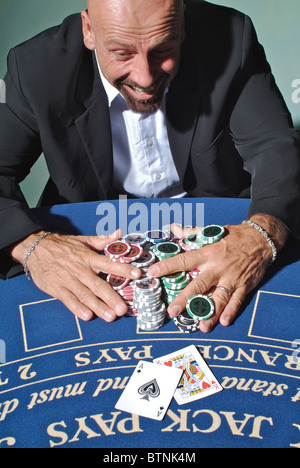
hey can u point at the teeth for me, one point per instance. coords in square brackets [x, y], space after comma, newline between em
[138, 90]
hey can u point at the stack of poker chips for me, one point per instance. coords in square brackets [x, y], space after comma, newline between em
[124, 252]
[173, 285]
[146, 299]
[148, 302]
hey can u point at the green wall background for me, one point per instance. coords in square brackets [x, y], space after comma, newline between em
[276, 22]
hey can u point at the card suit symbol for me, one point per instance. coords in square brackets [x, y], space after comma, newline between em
[205, 385]
[168, 363]
[149, 389]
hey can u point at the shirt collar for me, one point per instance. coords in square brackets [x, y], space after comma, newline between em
[110, 90]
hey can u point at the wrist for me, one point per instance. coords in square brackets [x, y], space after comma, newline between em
[276, 231]
[18, 251]
[268, 239]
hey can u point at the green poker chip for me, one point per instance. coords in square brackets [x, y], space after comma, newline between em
[177, 277]
[211, 234]
[166, 249]
[200, 307]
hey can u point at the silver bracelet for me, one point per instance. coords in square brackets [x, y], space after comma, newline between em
[266, 236]
[27, 272]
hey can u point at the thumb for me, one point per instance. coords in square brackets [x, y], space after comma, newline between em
[99, 242]
[181, 231]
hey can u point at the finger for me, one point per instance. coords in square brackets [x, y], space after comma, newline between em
[233, 307]
[79, 309]
[183, 262]
[100, 242]
[104, 264]
[226, 308]
[200, 285]
[99, 295]
[181, 231]
[220, 299]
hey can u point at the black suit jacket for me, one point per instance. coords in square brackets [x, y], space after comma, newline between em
[230, 132]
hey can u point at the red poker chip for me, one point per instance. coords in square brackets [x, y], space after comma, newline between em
[117, 249]
[133, 255]
[117, 282]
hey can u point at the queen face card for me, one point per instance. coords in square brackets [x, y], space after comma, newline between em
[149, 390]
[197, 380]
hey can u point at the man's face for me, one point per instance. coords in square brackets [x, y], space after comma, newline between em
[138, 46]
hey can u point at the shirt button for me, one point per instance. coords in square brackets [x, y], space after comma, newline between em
[158, 176]
[149, 142]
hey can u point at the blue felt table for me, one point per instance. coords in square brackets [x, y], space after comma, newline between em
[60, 378]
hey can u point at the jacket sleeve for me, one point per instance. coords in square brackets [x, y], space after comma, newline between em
[263, 132]
[20, 147]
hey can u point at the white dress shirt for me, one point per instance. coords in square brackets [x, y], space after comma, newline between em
[143, 163]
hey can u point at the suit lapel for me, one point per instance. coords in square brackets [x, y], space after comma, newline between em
[93, 124]
[182, 116]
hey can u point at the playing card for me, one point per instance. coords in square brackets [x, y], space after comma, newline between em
[197, 380]
[149, 390]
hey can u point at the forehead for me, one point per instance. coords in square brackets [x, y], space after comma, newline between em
[143, 19]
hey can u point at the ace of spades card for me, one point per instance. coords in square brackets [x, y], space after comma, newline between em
[149, 390]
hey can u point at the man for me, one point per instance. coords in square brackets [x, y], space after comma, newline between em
[188, 81]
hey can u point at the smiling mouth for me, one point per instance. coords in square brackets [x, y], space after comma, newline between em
[145, 94]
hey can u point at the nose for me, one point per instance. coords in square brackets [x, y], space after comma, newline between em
[142, 72]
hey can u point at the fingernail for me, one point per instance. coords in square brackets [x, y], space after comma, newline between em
[208, 325]
[135, 273]
[174, 310]
[226, 321]
[86, 316]
[121, 309]
[109, 315]
[153, 271]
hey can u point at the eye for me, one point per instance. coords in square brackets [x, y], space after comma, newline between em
[122, 54]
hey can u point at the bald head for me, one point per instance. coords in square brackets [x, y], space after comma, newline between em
[138, 46]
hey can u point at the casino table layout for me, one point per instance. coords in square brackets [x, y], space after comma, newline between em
[60, 378]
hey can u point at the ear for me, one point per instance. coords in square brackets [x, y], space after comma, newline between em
[88, 35]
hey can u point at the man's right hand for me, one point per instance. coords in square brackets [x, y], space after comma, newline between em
[67, 268]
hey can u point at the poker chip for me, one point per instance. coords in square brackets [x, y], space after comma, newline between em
[117, 249]
[211, 234]
[134, 254]
[135, 238]
[166, 249]
[156, 236]
[194, 241]
[200, 307]
[146, 259]
[147, 285]
[174, 277]
[117, 282]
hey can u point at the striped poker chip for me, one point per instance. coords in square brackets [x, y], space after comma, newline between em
[211, 234]
[117, 249]
[117, 282]
[156, 236]
[174, 277]
[135, 253]
[135, 238]
[147, 285]
[147, 258]
[167, 249]
[200, 307]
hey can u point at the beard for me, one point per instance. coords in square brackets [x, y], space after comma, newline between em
[148, 106]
